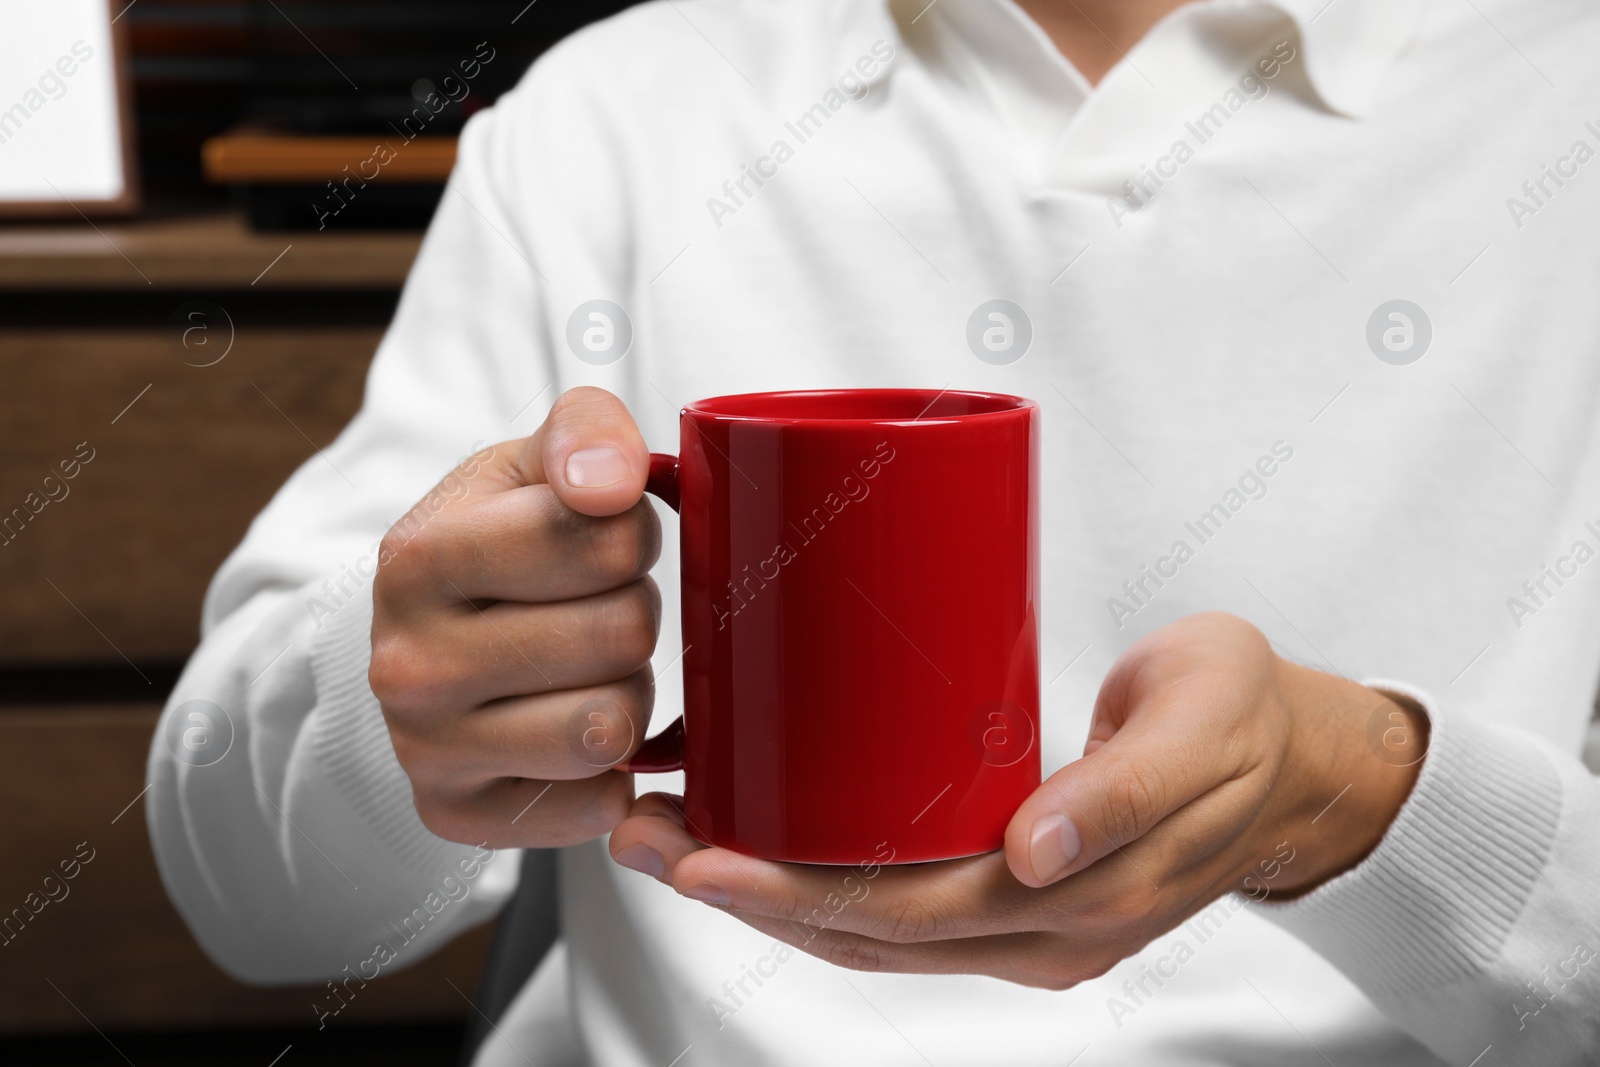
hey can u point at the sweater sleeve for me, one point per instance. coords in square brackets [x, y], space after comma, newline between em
[282, 823]
[1476, 921]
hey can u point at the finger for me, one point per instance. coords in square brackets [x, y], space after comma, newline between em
[525, 545]
[1101, 915]
[571, 734]
[653, 839]
[1031, 959]
[1160, 760]
[529, 648]
[590, 451]
[510, 650]
[924, 902]
[659, 806]
[528, 813]
[580, 419]
[589, 455]
[467, 658]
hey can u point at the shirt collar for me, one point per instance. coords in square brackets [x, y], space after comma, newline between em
[1348, 45]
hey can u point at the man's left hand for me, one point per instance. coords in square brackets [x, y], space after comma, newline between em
[1213, 765]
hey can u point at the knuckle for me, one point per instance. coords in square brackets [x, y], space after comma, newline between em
[394, 565]
[402, 677]
[444, 820]
[410, 547]
[1134, 797]
[648, 536]
[389, 675]
[913, 919]
[1053, 977]
[602, 732]
[791, 909]
[564, 404]
[389, 546]
[412, 755]
[431, 777]
[625, 623]
[409, 561]
[854, 954]
[618, 549]
[1060, 973]
[1133, 910]
[1093, 969]
[610, 725]
[582, 403]
[637, 695]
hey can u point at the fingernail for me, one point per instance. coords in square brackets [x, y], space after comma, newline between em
[596, 468]
[642, 858]
[1055, 844]
[707, 894]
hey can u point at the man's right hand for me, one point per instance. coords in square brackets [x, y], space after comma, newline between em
[512, 632]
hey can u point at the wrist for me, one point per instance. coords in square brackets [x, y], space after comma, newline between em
[1354, 758]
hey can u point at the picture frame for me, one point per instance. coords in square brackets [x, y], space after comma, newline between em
[85, 89]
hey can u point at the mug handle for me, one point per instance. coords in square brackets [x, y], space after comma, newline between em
[664, 751]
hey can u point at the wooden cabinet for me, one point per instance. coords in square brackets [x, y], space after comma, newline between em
[172, 461]
[106, 943]
[102, 575]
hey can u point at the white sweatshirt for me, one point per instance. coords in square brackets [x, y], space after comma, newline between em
[1201, 253]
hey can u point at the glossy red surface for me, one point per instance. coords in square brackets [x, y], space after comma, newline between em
[860, 613]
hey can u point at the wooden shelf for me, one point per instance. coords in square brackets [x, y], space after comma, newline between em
[217, 251]
[264, 157]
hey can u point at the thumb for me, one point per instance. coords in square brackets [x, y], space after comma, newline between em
[1109, 798]
[590, 452]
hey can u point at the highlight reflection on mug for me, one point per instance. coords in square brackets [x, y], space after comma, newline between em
[1000, 732]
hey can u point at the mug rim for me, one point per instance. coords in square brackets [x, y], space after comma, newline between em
[1006, 405]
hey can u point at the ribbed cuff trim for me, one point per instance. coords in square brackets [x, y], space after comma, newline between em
[351, 740]
[1437, 899]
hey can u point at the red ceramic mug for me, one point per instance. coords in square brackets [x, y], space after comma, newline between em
[860, 622]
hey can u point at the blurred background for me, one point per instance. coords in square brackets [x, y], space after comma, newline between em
[182, 347]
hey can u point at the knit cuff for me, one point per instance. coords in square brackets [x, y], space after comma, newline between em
[351, 740]
[1437, 899]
